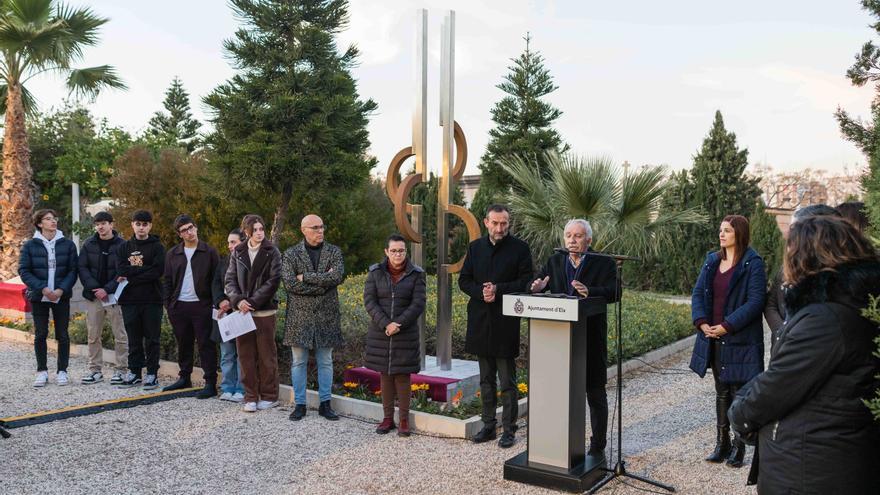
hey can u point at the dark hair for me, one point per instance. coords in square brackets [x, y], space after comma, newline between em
[740, 226]
[182, 220]
[815, 210]
[854, 212]
[497, 208]
[103, 216]
[39, 214]
[248, 222]
[142, 216]
[237, 231]
[820, 244]
[394, 238]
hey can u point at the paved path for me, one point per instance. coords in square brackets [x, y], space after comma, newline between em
[206, 446]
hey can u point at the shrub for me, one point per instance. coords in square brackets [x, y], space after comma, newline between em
[649, 323]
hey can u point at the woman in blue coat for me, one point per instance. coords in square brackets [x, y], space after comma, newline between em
[48, 267]
[726, 308]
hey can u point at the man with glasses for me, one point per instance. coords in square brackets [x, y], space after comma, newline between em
[189, 271]
[311, 271]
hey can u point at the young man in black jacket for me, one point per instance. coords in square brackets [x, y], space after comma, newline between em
[141, 261]
[189, 270]
[97, 272]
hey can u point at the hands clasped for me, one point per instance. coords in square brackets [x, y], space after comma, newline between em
[489, 292]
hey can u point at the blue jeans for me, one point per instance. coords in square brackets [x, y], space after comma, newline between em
[299, 370]
[229, 367]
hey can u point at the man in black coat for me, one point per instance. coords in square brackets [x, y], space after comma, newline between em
[495, 265]
[586, 275]
[97, 272]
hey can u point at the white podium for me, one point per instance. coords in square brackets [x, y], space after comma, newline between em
[555, 456]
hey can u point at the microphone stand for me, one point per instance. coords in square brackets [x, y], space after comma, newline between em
[619, 469]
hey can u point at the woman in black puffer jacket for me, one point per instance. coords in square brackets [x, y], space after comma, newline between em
[394, 296]
[814, 433]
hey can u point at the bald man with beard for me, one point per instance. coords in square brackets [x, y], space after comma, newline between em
[311, 271]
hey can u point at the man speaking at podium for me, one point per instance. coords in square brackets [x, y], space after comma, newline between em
[577, 272]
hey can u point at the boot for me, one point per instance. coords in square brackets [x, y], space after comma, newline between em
[722, 445]
[327, 412]
[735, 459]
[181, 383]
[298, 413]
[209, 391]
[385, 426]
[403, 429]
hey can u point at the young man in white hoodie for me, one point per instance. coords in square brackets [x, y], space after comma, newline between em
[48, 267]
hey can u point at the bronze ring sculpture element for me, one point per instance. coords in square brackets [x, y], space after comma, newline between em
[398, 192]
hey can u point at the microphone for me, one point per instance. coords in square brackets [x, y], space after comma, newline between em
[566, 251]
[618, 257]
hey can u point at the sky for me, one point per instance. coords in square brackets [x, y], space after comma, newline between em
[639, 81]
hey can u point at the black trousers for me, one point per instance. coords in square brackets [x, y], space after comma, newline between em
[61, 316]
[143, 325]
[505, 370]
[193, 324]
[724, 392]
[597, 377]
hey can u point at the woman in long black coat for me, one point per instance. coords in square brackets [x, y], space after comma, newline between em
[815, 435]
[394, 296]
[726, 308]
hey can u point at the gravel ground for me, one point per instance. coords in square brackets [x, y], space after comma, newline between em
[206, 446]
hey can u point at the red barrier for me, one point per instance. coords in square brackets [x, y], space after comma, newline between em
[12, 297]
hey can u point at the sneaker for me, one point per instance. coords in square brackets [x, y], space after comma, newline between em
[130, 380]
[237, 397]
[42, 379]
[151, 382]
[61, 378]
[264, 404]
[117, 378]
[250, 407]
[226, 396]
[92, 377]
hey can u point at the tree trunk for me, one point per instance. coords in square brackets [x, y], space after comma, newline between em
[281, 213]
[16, 192]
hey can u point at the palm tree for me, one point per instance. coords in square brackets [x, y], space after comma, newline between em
[623, 209]
[36, 37]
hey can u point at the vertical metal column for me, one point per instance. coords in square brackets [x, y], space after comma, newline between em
[419, 144]
[444, 192]
[74, 212]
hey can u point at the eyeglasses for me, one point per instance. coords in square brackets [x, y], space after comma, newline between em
[397, 251]
[186, 229]
[318, 227]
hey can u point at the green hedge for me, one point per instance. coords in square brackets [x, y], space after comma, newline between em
[649, 323]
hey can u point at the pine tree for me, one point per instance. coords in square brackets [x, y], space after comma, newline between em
[176, 126]
[523, 120]
[865, 135]
[290, 121]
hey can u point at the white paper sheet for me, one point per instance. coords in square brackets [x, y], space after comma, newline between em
[114, 298]
[235, 325]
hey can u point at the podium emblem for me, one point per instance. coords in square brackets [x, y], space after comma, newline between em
[518, 306]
